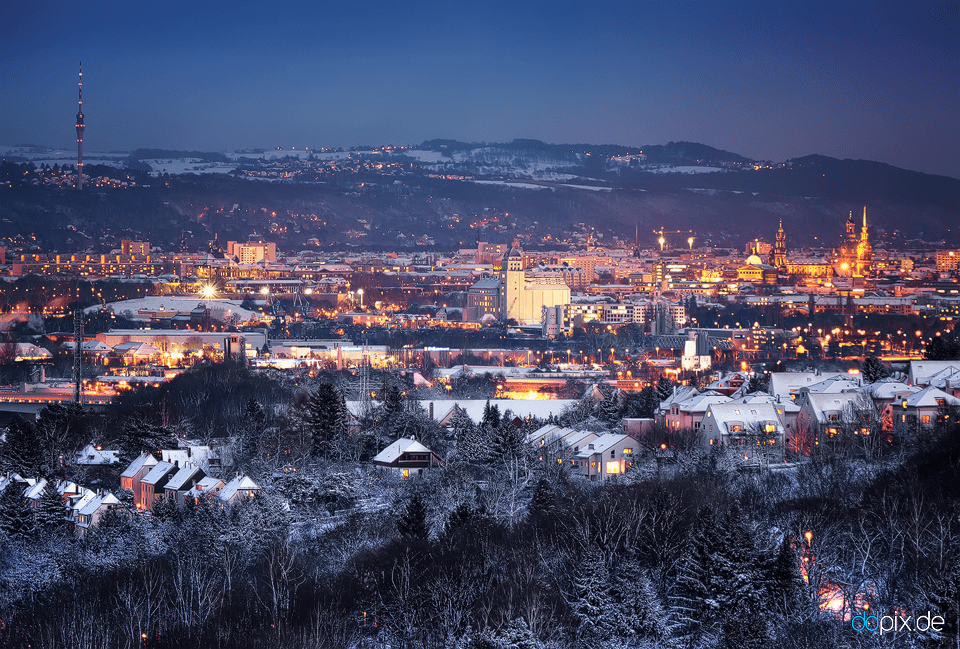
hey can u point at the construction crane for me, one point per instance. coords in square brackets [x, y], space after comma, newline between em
[662, 239]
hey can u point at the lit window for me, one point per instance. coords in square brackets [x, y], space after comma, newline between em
[613, 466]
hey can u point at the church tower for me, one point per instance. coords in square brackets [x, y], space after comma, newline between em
[778, 255]
[864, 263]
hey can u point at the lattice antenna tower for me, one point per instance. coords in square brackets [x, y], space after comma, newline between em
[78, 357]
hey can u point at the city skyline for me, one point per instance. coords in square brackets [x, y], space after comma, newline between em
[848, 80]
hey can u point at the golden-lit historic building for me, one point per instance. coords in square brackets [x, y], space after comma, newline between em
[854, 258]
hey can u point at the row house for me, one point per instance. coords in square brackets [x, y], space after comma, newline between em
[131, 477]
[556, 442]
[923, 408]
[754, 429]
[205, 457]
[787, 385]
[824, 416]
[92, 510]
[688, 414]
[207, 487]
[152, 485]
[605, 457]
[240, 488]
[182, 482]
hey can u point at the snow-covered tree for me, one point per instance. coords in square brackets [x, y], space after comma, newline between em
[16, 519]
[873, 369]
[21, 452]
[591, 603]
[51, 512]
[327, 418]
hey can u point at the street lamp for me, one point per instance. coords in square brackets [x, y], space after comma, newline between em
[360, 293]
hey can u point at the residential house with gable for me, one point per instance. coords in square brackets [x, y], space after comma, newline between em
[130, 478]
[754, 430]
[407, 457]
[240, 488]
[923, 408]
[89, 514]
[152, 485]
[182, 481]
[605, 457]
[207, 487]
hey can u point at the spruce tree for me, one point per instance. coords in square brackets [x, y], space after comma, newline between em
[21, 452]
[491, 417]
[608, 410]
[51, 512]
[470, 446]
[543, 504]
[694, 607]
[251, 430]
[873, 369]
[16, 517]
[649, 402]
[412, 522]
[507, 443]
[664, 388]
[327, 418]
[784, 583]
[592, 602]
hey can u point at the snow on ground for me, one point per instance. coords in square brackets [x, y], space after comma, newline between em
[523, 185]
[505, 183]
[188, 166]
[672, 169]
[221, 309]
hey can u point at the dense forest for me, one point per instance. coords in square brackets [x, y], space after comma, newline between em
[499, 547]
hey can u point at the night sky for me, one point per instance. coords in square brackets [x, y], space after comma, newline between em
[770, 80]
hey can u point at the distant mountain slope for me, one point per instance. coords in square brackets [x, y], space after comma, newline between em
[690, 153]
[820, 176]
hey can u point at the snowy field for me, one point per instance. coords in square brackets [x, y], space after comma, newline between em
[219, 309]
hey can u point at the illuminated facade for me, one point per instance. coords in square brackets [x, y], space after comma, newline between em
[522, 296]
[854, 258]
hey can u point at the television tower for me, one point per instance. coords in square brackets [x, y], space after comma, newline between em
[80, 131]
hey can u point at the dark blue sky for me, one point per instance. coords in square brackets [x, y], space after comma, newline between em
[770, 80]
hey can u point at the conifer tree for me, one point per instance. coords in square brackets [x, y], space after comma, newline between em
[491, 417]
[51, 511]
[543, 504]
[327, 418]
[693, 598]
[592, 599]
[412, 522]
[251, 430]
[608, 410]
[21, 452]
[664, 388]
[16, 518]
[784, 583]
[507, 442]
[469, 441]
[873, 369]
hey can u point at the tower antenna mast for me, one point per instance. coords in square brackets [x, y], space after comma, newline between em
[80, 130]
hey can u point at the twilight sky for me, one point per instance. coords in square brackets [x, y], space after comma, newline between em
[770, 80]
